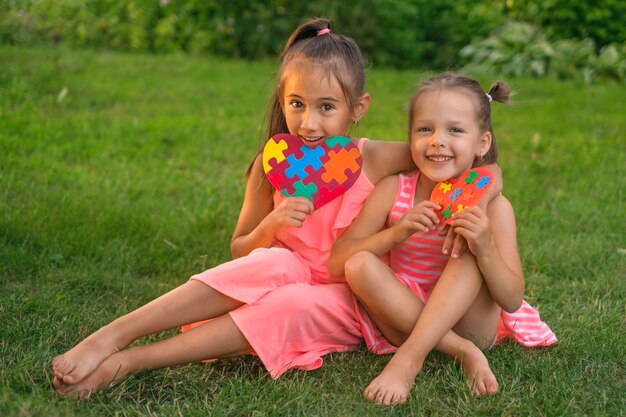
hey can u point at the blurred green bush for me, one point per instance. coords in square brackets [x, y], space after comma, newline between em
[397, 33]
[521, 49]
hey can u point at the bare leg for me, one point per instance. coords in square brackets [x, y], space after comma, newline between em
[215, 339]
[191, 302]
[395, 309]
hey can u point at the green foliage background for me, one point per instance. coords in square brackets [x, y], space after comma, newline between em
[398, 33]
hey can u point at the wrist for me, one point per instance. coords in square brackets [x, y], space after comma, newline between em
[265, 231]
[395, 236]
[486, 255]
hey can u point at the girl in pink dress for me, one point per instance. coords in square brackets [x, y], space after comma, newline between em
[421, 300]
[276, 299]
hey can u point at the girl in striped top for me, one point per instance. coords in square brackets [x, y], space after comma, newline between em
[421, 299]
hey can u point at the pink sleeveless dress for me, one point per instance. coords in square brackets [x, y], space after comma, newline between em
[294, 310]
[419, 262]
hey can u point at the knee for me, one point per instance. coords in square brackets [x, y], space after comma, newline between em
[357, 268]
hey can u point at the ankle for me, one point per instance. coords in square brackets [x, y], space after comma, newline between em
[411, 362]
[117, 334]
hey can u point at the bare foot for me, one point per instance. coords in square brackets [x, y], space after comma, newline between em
[80, 361]
[480, 378]
[394, 383]
[111, 370]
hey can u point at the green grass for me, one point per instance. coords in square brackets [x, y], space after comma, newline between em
[124, 186]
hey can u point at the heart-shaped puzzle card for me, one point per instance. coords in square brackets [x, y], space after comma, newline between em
[467, 191]
[321, 173]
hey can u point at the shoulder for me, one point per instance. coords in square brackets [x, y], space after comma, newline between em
[256, 176]
[383, 149]
[256, 169]
[389, 182]
[500, 204]
[382, 158]
[501, 213]
[387, 188]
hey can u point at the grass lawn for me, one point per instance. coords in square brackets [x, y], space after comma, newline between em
[122, 175]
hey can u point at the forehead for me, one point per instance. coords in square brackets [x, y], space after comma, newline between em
[309, 76]
[448, 102]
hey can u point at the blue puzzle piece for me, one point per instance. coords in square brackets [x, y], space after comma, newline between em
[483, 182]
[311, 157]
[456, 194]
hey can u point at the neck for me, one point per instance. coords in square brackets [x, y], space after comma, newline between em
[424, 187]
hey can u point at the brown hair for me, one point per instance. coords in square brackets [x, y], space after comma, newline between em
[340, 57]
[498, 91]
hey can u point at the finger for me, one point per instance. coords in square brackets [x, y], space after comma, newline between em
[460, 246]
[303, 204]
[298, 215]
[469, 214]
[450, 239]
[310, 206]
[426, 220]
[465, 234]
[414, 224]
[432, 216]
[468, 224]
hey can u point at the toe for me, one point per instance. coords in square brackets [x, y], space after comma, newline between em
[57, 383]
[492, 388]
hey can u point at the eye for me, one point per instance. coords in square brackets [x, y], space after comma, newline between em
[296, 104]
[422, 129]
[456, 130]
[327, 107]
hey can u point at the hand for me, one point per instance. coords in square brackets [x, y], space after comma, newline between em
[420, 218]
[290, 213]
[454, 244]
[473, 224]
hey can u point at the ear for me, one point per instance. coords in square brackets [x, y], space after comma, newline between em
[361, 108]
[484, 144]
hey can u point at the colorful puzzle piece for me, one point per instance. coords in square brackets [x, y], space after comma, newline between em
[320, 173]
[455, 194]
[297, 166]
[483, 182]
[470, 188]
[445, 186]
[274, 150]
[339, 162]
[471, 176]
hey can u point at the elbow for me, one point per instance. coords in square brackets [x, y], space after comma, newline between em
[235, 250]
[515, 301]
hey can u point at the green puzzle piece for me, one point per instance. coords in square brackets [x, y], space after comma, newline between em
[302, 190]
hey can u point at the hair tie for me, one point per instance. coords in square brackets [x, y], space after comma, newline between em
[489, 97]
[323, 32]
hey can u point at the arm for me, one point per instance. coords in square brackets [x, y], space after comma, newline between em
[369, 233]
[259, 221]
[492, 239]
[381, 159]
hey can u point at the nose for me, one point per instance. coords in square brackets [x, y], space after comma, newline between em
[309, 121]
[436, 140]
